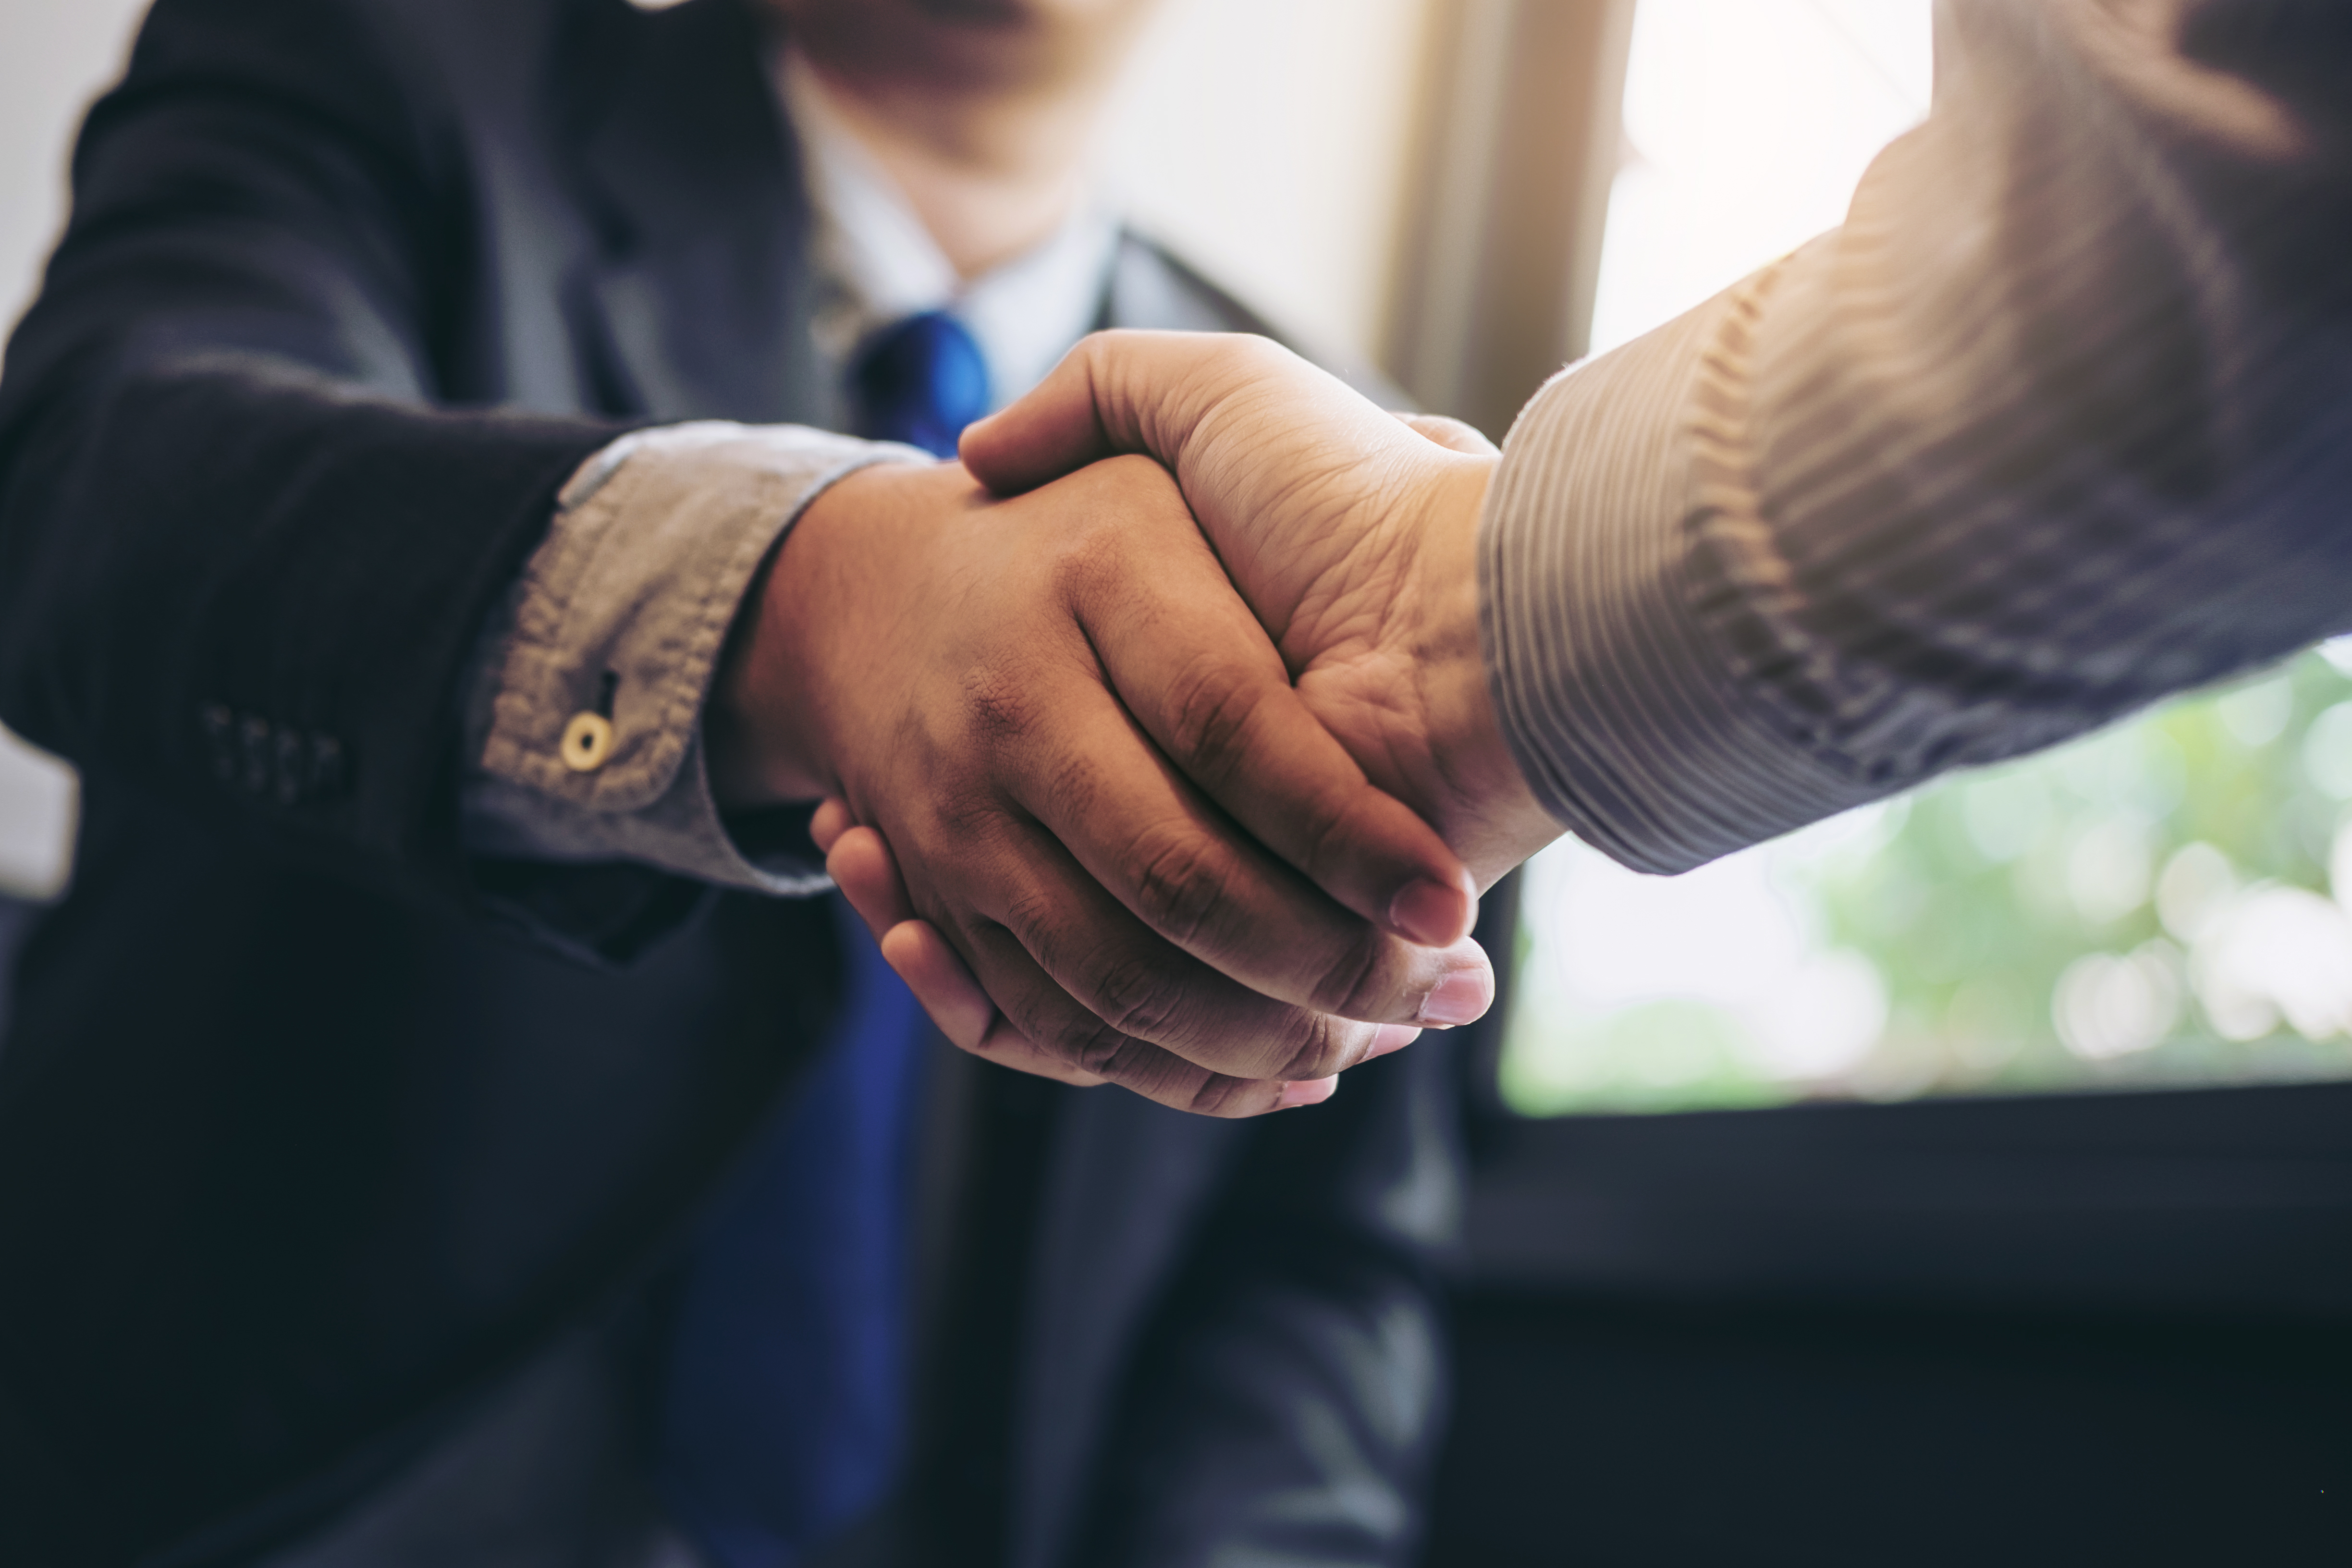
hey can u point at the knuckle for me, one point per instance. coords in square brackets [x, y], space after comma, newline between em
[1249, 351]
[963, 812]
[1324, 824]
[1033, 916]
[1178, 885]
[1105, 342]
[1093, 1047]
[1093, 567]
[1212, 707]
[998, 707]
[1085, 547]
[1073, 787]
[1217, 1095]
[1137, 997]
[1326, 1046]
[1357, 984]
[1174, 1082]
[1262, 360]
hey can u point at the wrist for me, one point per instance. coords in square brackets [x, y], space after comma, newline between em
[1491, 818]
[763, 730]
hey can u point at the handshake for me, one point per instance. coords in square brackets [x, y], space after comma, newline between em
[1154, 738]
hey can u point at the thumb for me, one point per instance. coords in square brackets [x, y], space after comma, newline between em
[1054, 430]
[1449, 433]
[1115, 392]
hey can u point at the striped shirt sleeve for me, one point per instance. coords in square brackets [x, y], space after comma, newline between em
[2058, 422]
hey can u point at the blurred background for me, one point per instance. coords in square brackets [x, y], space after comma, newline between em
[1826, 1209]
[1421, 184]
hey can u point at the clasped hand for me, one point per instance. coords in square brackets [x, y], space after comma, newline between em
[1159, 770]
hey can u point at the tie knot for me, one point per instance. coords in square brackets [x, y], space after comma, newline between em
[919, 380]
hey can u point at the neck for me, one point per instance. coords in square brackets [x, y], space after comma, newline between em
[991, 173]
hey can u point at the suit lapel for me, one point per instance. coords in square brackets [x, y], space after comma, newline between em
[1148, 289]
[699, 286]
[1151, 288]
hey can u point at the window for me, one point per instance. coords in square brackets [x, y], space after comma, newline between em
[2162, 904]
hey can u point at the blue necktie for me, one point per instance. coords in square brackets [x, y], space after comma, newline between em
[783, 1405]
[920, 381]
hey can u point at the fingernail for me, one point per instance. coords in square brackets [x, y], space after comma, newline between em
[1428, 913]
[1307, 1091]
[1459, 998]
[1391, 1037]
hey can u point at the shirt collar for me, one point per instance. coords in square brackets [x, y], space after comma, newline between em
[876, 263]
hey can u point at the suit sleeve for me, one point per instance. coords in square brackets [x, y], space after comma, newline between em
[244, 554]
[2058, 422]
[1287, 1402]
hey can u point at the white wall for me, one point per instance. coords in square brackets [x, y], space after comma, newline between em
[1747, 125]
[1267, 140]
[55, 56]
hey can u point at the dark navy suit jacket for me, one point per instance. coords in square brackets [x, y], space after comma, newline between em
[308, 1134]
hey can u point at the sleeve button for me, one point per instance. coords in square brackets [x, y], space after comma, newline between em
[292, 773]
[327, 772]
[253, 735]
[220, 742]
[587, 741]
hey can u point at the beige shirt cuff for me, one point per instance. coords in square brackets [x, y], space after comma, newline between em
[584, 705]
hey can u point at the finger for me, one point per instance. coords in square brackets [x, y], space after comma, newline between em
[1132, 872]
[831, 820]
[1054, 430]
[939, 980]
[1156, 393]
[1115, 392]
[862, 867]
[1449, 433]
[962, 1011]
[1044, 1013]
[862, 864]
[1113, 979]
[1313, 1091]
[1192, 664]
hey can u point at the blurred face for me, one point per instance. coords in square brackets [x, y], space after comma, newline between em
[1008, 46]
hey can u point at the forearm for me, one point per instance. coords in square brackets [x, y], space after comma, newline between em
[217, 569]
[243, 555]
[2051, 429]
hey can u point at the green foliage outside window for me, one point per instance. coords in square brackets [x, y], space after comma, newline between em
[2163, 903]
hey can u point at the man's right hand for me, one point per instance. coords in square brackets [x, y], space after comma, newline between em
[1103, 795]
[1352, 538]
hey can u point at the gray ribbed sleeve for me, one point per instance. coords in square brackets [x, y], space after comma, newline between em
[2058, 422]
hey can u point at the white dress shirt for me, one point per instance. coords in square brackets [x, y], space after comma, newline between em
[877, 264]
